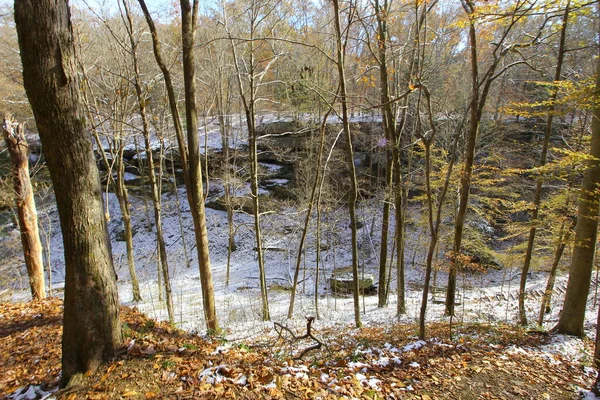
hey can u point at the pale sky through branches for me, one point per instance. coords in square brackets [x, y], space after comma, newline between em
[161, 7]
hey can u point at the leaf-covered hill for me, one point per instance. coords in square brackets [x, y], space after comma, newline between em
[382, 362]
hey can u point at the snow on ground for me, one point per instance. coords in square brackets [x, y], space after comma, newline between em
[489, 297]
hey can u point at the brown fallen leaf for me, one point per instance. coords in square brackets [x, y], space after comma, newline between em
[129, 393]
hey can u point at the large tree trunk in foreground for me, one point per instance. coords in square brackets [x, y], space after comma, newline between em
[91, 327]
[573, 313]
[14, 136]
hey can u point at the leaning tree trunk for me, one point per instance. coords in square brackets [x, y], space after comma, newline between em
[248, 101]
[16, 142]
[91, 327]
[434, 222]
[537, 197]
[196, 196]
[573, 313]
[154, 184]
[124, 205]
[561, 243]
[311, 205]
[465, 180]
[190, 156]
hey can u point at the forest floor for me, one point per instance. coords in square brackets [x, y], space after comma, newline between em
[386, 361]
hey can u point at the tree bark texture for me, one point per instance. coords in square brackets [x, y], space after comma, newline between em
[16, 142]
[91, 327]
[195, 188]
[573, 313]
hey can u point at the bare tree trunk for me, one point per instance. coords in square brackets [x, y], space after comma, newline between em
[225, 132]
[389, 127]
[561, 243]
[353, 197]
[190, 156]
[155, 186]
[123, 198]
[596, 385]
[434, 223]
[179, 216]
[16, 143]
[465, 180]
[480, 88]
[188, 29]
[248, 100]
[538, 187]
[311, 204]
[91, 327]
[117, 149]
[399, 190]
[573, 313]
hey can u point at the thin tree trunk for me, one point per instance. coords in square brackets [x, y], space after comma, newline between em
[225, 132]
[480, 89]
[538, 187]
[18, 149]
[248, 102]
[561, 243]
[353, 196]
[311, 204]
[399, 189]
[123, 198]
[119, 186]
[154, 185]
[179, 216]
[573, 313]
[596, 385]
[465, 180]
[91, 327]
[190, 161]
[434, 224]
[389, 127]
[188, 29]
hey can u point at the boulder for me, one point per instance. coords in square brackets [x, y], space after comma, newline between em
[341, 281]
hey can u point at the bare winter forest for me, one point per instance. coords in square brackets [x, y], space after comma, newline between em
[245, 170]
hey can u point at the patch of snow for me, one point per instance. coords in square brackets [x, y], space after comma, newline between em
[587, 395]
[128, 177]
[414, 346]
[358, 365]
[517, 350]
[212, 375]
[382, 362]
[32, 392]
[569, 347]
[271, 385]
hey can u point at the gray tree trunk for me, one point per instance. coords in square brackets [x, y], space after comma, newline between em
[91, 326]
